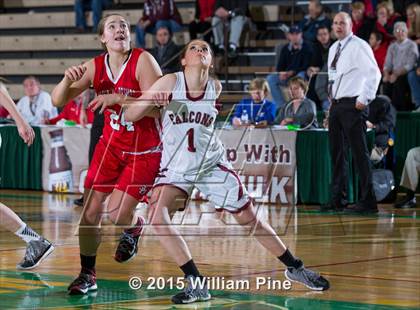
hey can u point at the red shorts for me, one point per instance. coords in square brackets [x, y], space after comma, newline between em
[112, 169]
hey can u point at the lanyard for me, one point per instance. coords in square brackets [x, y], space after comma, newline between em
[259, 110]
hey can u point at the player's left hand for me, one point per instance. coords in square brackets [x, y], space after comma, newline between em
[360, 106]
[104, 101]
[26, 133]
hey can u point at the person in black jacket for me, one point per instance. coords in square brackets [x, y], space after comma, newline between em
[166, 51]
[293, 60]
[382, 119]
[318, 68]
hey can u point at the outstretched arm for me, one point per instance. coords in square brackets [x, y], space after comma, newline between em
[25, 131]
[158, 94]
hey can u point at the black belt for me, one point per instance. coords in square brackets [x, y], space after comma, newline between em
[345, 100]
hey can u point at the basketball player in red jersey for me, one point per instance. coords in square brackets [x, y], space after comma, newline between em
[127, 157]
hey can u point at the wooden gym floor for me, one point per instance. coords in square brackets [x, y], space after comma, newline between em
[372, 262]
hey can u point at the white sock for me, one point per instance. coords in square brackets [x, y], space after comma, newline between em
[27, 234]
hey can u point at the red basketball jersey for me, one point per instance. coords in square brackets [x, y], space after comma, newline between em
[137, 136]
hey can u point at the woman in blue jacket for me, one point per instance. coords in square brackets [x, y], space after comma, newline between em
[257, 110]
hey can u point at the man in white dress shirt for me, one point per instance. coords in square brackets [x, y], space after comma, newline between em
[35, 106]
[353, 77]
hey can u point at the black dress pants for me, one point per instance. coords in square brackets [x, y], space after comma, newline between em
[347, 128]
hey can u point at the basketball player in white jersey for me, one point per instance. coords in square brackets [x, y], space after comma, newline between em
[37, 248]
[194, 157]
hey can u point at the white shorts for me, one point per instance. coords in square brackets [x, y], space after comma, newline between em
[220, 184]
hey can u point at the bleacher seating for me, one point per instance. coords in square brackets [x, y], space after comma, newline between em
[38, 38]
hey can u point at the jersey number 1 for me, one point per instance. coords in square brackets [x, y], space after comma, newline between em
[190, 134]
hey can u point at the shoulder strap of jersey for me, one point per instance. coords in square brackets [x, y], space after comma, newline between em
[99, 70]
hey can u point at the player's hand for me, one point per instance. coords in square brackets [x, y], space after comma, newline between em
[161, 99]
[26, 133]
[360, 106]
[104, 101]
[75, 73]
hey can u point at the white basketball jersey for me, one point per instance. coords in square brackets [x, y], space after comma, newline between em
[189, 142]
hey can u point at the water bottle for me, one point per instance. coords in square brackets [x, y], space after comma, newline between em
[244, 117]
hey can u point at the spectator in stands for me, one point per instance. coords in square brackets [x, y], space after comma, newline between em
[414, 81]
[257, 110]
[204, 11]
[157, 13]
[369, 7]
[319, 64]
[301, 110]
[166, 51]
[382, 118]
[82, 6]
[232, 12]
[379, 49]
[35, 106]
[315, 19]
[410, 178]
[362, 25]
[73, 109]
[385, 21]
[293, 60]
[413, 22]
[400, 59]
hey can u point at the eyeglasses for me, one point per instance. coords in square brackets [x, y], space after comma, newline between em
[399, 30]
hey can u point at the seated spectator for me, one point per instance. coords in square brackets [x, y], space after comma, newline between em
[414, 81]
[319, 64]
[379, 49]
[410, 178]
[234, 13]
[382, 118]
[362, 25]
[370, 7]
[82, 6]
[400, 59]
[166, 51]
[293, 60]
[35, 106]
[385, 21]
[72, 111]
[157, 14]
[257, 110]
[204, 10]
[413, 22]
[301, 110]
[315, 19]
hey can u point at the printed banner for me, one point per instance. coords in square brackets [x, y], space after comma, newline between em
[265, 159]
